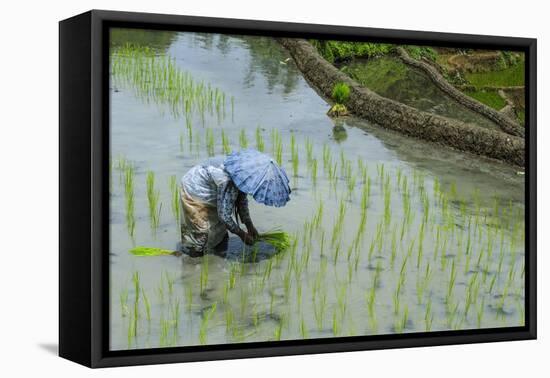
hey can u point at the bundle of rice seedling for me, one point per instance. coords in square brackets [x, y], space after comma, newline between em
[280, 240]
[151, 251]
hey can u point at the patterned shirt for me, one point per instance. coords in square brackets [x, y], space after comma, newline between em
[229, 199]
[210, 183]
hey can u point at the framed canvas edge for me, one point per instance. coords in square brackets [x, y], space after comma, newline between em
[102, 357]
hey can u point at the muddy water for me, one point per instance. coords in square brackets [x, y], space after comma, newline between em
[468, 272]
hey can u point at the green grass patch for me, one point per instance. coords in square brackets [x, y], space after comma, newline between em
[340, 93]
[512, 76]
[489, 98]
[335, 51]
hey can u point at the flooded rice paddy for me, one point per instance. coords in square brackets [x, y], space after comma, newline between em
[389, 234]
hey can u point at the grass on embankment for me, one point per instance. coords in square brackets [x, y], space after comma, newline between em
[509, 77]
[489, 98]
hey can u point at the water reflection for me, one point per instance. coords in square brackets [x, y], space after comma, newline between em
[157, 40]
[393, 79]
[271, 61]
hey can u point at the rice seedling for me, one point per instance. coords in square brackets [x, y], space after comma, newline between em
[124, 303]
[147, 305]
[341, 298]
[327, 158]
[175, 310]
[309, 151]
[335, 323]
[135, 316]
[294, 154]
[393, 246]
[279, 329]
[339, 223]
[260, 144]
[209, 136]
[279, 151]
[313, 168]
[157, 79]
[280, 240]
[428, 316]
[203, 330]
[129, 196]
[303, 329]
[243, 139]
[480, 312]
[387, 200]
[189, 297]
[451, 283]
[350, 183]
[204, 275]
[401, 322]
[153, 201]
[226, 145]
[131, 330]
[174, 190]
[420, 251]
[422, 284]
[318, 216]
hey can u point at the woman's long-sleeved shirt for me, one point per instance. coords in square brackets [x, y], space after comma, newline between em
[211, 184]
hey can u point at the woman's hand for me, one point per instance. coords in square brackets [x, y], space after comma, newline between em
[252, 231]
[247, 238]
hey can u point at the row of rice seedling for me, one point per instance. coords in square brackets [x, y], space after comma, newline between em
[157, 78]
[412, 237]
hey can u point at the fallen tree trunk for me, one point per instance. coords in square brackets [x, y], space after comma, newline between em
[504, 122]
[402, 118]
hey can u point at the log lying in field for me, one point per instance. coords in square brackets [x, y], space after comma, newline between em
[407, 120]
[504, 122]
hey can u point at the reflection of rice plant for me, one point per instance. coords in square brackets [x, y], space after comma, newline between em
[327, 158]
[260, 144]
[294, 152]
[153, 200]
[174, 189]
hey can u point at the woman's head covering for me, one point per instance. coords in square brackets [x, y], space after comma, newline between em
[259, 175]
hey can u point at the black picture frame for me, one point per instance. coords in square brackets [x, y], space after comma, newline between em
[83, 196]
